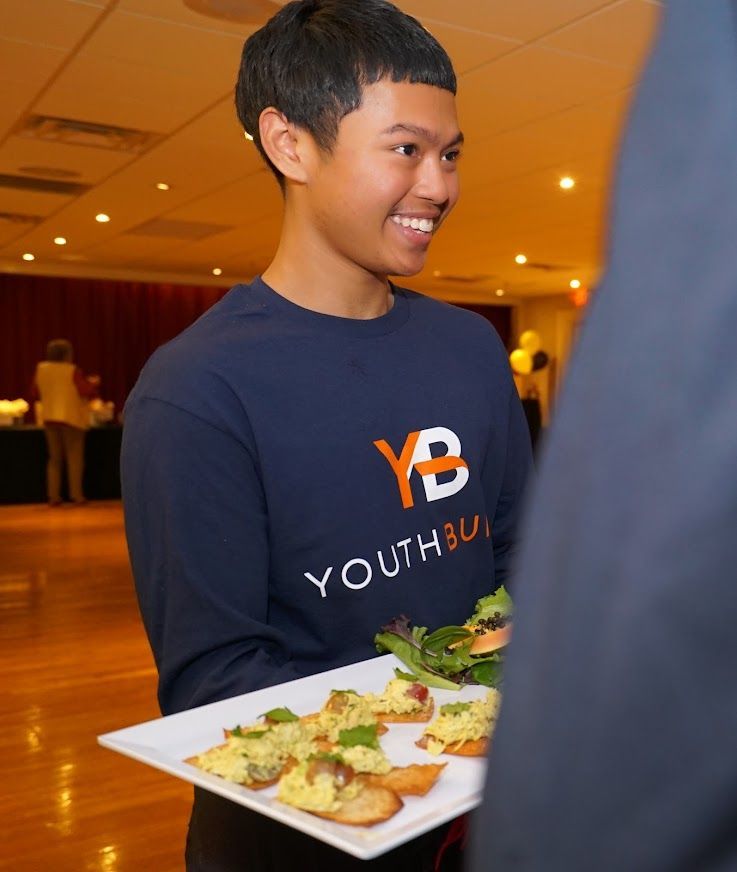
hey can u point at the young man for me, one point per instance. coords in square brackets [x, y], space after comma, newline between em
[323, 450]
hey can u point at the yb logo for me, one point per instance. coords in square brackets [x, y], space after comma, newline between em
[416, 455]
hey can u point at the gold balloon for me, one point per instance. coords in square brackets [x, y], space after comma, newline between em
[530, 341]
[521, 361]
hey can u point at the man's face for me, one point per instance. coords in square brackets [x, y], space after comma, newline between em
[393, 164]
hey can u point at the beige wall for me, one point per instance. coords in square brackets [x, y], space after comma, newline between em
[556, 320]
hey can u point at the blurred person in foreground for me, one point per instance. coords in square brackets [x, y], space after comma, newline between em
[615, 749]
[64, 393]
[295, 464]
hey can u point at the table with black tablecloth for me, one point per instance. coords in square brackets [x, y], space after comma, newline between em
[23, 464]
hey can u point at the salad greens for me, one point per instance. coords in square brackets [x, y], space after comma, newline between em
[362, 735]
[442, 659]
[280, 715]
[499, 601]
[249, 734]
[405, 676]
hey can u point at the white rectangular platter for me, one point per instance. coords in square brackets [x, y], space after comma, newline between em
[165, 743]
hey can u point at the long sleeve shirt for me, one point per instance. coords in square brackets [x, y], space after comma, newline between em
[294, 480]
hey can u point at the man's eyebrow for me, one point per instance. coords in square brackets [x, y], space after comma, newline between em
[421, 132]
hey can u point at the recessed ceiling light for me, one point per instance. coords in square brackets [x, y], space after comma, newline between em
[574, 283]
[499, 292]
[567, 183]
[29, 256]
[521, 258]
[248, 136]
[102, 218]
[162, 186]
[217, 271]
[59, 240]
[436, 273]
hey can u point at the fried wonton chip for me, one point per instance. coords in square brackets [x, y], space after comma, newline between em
[471, 748]
[374, 804]
[475, 748]
[414, 780]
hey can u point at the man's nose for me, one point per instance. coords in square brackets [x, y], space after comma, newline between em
[436, 182]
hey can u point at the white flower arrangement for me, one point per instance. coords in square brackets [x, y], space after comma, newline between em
[101, 412]
[12, 411]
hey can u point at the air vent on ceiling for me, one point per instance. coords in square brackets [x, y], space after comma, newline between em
[49, 172]
[73, 132]
[178, 229]
[16, 218]
[43, 186]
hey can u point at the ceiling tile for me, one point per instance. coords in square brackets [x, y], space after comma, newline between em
[469, 48]
[176, 11]
[559, 141]
[523, 19]
[31, 202]
[127, 95]
[236, 203]
[165, 45]
[600, 35]
[56, 23]
[530, 84]
[11, 231]
[28, 63]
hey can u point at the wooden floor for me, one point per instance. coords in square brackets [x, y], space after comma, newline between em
[76, 663]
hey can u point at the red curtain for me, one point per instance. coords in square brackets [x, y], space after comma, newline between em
[114, 326]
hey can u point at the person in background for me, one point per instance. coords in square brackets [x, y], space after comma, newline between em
[615, 748]
[323, 450]
[63, 392]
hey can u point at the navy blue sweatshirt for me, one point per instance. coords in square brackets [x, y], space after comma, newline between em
[294, 480]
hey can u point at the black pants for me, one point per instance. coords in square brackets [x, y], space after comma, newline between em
[226, 837]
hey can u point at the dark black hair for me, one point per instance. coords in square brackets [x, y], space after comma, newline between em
[59, 350]
[312, 60]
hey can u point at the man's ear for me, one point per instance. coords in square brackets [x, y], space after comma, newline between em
[284, 144]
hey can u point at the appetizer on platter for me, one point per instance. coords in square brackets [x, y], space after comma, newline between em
[360, 749]
[462, 728]
[331, 763]
[343, 710]
[327, 787]
[404, 700]
[256, 756]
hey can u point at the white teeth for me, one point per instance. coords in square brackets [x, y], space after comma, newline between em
[426, 225]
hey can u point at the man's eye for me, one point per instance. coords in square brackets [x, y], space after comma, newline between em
[452, 156]
[408, 150]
